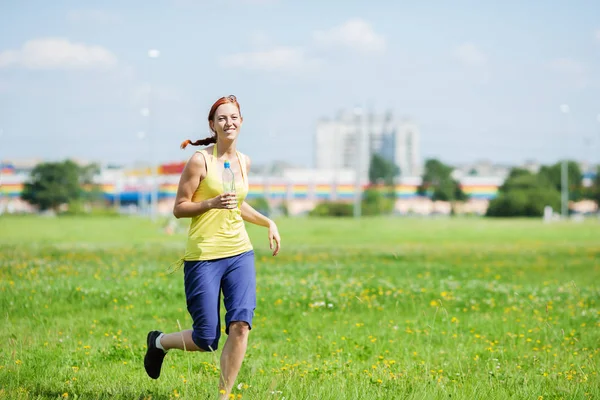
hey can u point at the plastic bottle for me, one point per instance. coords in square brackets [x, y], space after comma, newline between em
[228, 179]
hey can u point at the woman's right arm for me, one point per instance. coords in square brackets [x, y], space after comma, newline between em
[193, 173]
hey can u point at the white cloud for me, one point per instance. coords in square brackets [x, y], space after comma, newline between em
[572, 72]
[267, 56]
[260, 2]
[259, 39]
[597, 35]
[568, 66]
[231, 3]
[94, 16]
[281, 58]
[470, 55]
[355, 34]
[58, 53]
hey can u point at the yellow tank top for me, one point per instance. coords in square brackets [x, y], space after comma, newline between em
[218, 233]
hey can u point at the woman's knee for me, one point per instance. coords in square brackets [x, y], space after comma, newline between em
[205, 344]
[239, 329]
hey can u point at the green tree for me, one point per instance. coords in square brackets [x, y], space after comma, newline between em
[516, 172]
[553, 173]
[508, 204]
[92, 192]
[382, 171]
[595, 189]
[524, 194]
[52, 184]
[87, 173]
[525, 181]
[378, 200]
[438, 182]
[332, 209]
[261, 205]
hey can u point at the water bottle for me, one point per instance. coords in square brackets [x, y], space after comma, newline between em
[228, 179]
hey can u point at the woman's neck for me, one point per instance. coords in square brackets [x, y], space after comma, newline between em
[225, 149]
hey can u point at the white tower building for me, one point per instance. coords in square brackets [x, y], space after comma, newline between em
[337, 142]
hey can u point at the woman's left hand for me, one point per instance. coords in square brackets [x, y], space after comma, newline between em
[274, 237]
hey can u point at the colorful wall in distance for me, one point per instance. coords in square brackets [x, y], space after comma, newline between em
[131, 189]
[11, 189]
[269, 191]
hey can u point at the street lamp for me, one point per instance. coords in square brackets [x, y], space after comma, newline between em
[141, 177]
[1, 167]
[564, 170]
[153, 54]
[360, 114]
[598, 165]
[598, 119]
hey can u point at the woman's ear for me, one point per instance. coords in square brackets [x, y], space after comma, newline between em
[211, 124]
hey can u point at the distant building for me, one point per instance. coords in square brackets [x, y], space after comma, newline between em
[338, 142]
[480, 168]
[531, 166]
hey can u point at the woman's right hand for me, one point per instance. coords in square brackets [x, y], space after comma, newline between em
[224, 201]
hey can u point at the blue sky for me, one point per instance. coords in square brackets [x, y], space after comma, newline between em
[482, 81]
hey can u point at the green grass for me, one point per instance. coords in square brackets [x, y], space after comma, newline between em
[376, 309]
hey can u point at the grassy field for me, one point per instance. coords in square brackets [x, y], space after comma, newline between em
[376, 309]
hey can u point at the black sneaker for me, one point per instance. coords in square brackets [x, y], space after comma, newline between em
[154, 356]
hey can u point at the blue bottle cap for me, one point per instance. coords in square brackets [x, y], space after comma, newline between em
[226, 164]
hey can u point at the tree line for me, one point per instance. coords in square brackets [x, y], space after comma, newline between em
[523, 193]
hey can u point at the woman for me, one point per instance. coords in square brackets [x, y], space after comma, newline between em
[219, 255]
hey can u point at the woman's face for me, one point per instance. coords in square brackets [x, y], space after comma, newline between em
[227, 122]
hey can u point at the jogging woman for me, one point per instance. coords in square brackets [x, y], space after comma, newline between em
[219, 256]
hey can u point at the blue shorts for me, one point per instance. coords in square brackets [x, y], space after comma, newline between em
[204, 280]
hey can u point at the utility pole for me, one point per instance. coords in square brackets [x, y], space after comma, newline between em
[153, 163]
[564, 170]
[360, 114]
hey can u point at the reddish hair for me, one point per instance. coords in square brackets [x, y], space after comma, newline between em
[211, 115]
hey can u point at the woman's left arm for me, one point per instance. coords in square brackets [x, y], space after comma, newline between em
[249, 214]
